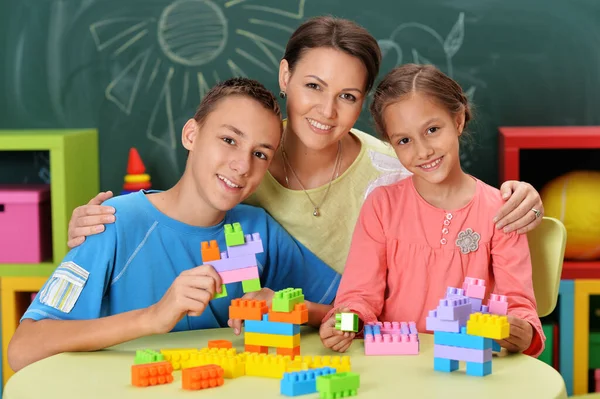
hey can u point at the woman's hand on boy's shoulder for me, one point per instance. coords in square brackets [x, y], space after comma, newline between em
[334, 339]
[521, 335]
[264, 294]
[89, 219]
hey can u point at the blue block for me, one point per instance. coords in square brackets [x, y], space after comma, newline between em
[445, 365]
[496, 346]
[302, 382]
[462, 340]
[271, 327]
[479, 369]
[372, 330]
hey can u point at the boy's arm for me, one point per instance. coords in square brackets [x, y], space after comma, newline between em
[365, 275]
[511, 263]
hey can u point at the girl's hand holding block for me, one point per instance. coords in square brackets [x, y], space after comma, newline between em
[521, 334]
[334, 339]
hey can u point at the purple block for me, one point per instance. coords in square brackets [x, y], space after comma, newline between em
[484, 309]
[454, 309]
[452, 292]
[462, 354]
[252, 246]
[476, 304]
[433, 323]
[225, 264]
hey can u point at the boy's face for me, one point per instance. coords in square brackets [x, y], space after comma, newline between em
[232, 150]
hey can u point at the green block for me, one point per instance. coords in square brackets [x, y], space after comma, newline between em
[223, 293]
[234, 235]
[143, 356]
[346, 322]
[251, 285]
[546, 355]
[285, 300]
[339, 385]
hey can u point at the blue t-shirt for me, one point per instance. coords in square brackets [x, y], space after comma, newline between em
[133, 263]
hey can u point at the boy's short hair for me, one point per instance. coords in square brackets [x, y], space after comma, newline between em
[237, 87]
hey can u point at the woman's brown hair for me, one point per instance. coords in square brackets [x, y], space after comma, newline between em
[339, 34]
[413, 78]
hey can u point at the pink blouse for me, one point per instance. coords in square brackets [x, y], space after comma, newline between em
[404, 254]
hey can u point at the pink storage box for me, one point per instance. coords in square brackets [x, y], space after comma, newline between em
[25, 224]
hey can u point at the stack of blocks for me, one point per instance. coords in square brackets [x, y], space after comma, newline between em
[391, 338]
[238, 262]
[136, 178]
[464, 330]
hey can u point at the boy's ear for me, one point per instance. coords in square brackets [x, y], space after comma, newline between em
[284, 75]
[460, 122]
[189, 134]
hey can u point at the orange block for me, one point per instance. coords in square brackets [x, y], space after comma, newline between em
[220, 343]
[248, 309]
[210, 251]
[157, 373]
[202, 377]
[291, 352]
[256, 349]
[137, 186]
[297, 316]
[135, 166]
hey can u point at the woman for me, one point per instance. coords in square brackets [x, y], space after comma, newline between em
[324, 168]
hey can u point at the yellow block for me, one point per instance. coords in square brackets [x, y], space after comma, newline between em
[488, 326]
[296, 365]
[142, 178]
[272, 340]
[340, 363]
[178, 356]
[263, 365]
[233, 365]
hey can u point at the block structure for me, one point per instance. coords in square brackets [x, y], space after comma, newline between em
[302, 382]
[395, 339]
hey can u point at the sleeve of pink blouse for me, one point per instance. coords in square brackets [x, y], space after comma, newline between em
[511, 264]
[363, 281]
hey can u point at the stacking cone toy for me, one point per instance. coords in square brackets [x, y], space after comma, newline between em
[136, 178]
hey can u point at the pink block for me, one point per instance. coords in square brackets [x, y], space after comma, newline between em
[252, 246]
[234, 276]
[25, 224]
[391, 344]
[498, 304]
[227, 264]
[462, 354]
[474, 287]
[395, 327]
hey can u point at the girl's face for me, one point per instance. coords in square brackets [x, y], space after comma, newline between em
[425, 135]
[325, 93]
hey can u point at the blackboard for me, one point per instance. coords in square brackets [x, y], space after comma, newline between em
[136, 69]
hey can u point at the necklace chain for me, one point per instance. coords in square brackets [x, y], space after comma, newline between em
[316, 208]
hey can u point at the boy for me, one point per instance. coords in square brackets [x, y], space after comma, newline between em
[140, 276]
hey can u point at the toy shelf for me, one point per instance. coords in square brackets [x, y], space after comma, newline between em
[74, 179]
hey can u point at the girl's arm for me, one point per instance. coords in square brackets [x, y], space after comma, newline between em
[365, 276]
[511, 264]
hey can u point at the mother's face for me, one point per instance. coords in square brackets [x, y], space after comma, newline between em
[325, 92]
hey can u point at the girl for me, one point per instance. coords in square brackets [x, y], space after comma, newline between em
[324, 167]
[406, 248]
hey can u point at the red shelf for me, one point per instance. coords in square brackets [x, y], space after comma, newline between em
[580, 270]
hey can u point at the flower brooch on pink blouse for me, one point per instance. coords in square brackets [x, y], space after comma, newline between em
[468, 241]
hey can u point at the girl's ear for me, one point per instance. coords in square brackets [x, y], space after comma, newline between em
[284, 75]
[189, 134]
[460, 122]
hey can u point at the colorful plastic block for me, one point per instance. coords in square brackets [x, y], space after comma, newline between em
[474, 287]
[302, 382]
[272, 340]
[454, 309]
[340, 363]
[202, 377]
[298, 316]
[177, 356]
[257, 349]
[285, 300]
[462, 354]
[251, 285]
[253, 245]
[223, 293]
[210, 251]
[452, 292]
[248, 309]
[476, 304]
[479, 369]
[226, 264]
[433, 323]
[346, 322]
[445, 365]
[143, 356]
[391, 344]
[269, 327]
[291, 352]
[143, 375]
[234, 276]
[234, 365]
[488, 326]
[220, 344]
[338, 385]
[498, 304]
[270, 366]
[462, 340]
[234, 235]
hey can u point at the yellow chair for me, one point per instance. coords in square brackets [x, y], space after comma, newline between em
[547, 245]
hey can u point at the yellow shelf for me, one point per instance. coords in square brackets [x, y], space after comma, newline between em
[27, 270]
